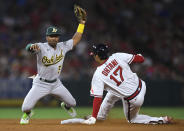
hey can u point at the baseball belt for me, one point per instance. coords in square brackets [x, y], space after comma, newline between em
[48, 81]
[136, 92]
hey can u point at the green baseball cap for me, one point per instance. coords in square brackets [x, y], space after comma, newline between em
[53, 31]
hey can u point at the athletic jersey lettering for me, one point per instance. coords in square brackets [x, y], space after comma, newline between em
[50, 60]
[115, 73]
[109, 67]
[47, 62]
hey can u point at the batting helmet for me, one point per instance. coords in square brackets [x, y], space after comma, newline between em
[101, 50]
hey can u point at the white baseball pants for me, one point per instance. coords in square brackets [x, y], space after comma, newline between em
[40, 89]
[131, 108]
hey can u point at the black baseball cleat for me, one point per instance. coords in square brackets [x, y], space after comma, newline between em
[71, 111]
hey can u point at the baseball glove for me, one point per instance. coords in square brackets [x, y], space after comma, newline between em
[80, 13]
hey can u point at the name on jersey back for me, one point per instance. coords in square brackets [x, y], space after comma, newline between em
[109, 67]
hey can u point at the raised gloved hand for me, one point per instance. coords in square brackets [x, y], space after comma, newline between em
[80, 13]
[90, 121]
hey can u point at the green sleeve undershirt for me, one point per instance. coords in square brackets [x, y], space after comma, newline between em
[28, 48]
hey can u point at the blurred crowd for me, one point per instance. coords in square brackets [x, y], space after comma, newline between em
[153, 28]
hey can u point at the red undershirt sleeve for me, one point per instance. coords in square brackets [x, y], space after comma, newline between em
[96, 106]
[137, 59]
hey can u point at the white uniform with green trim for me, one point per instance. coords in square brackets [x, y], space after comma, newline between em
[49, 66]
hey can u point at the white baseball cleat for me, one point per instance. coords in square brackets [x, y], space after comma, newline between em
[167, 120]
[25, 118]
[71, 111]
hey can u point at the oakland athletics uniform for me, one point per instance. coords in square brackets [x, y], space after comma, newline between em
[121, 83]
[50, 57]
[49, 66]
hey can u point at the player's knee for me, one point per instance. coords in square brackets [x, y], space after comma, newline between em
[131, 118]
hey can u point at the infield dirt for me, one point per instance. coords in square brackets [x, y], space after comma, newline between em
[108, 125]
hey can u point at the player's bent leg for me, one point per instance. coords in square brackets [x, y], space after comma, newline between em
[107, 105]
[68, 100]
[64, 95]
[129, 110]
[132, 107]
[30, 100]
[33, 96]
[133, 116]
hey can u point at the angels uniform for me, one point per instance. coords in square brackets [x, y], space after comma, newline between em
[116, 73]
[49, 66]
[115, 76]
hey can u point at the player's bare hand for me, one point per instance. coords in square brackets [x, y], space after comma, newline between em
[82, 22]
[35, 47]
[90, 121]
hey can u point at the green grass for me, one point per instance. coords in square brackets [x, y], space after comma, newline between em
[58, 113]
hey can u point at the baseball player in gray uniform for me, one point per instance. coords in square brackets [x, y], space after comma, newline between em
[50, 57]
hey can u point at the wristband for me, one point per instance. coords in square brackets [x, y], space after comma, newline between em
[80, 28]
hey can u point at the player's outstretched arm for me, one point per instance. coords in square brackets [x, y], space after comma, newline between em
[32, 48]
[81, 16]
